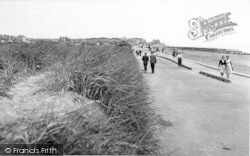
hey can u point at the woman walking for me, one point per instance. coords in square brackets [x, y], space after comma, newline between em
[222, 66]
[229, 66]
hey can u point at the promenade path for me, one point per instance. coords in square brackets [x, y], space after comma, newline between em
[209, 117]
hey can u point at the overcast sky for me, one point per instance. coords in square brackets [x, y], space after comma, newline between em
[166, 20]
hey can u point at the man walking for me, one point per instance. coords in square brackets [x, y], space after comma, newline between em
[152, 62]
[145, 60]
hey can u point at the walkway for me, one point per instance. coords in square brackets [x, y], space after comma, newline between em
[209, 117]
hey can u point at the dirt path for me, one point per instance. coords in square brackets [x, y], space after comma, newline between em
[209, 117]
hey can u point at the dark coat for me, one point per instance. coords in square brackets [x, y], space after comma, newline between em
[145, 59]
[152, 59]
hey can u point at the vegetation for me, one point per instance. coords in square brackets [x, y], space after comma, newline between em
[105, 75]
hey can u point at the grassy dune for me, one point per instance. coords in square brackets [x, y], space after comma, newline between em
[104, 75]
[241, 63]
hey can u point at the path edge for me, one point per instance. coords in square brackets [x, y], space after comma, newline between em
[187, 67]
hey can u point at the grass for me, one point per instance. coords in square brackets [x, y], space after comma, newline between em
[105, 75]
[240, 62]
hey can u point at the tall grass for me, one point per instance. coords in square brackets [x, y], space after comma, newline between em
[105, 75]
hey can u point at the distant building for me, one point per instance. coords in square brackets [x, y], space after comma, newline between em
[139, 40]
[64, 39]
[156, 45]
[21, 39]
[156, 42]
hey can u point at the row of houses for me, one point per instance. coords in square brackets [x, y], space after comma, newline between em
[155, 45]
[14, 39]
[136, 41]
[64, 39]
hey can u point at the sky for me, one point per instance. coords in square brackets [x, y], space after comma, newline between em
[166, 20]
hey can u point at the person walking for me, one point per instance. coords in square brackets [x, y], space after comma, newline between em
[145, 60]
[176, 53]
[179, 57]
[173, 54]
[229, 66]
[149, 48]
[152, 62]
[222, 66]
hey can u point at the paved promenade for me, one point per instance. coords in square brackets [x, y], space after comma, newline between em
[209, 117]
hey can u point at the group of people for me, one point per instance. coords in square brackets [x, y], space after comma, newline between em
[152, 60]
[225, 66]
[138, 52]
